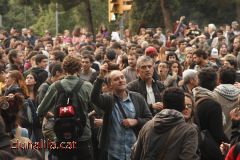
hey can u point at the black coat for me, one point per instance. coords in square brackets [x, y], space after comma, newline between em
[106, 102]
[210, 118]
[140, 86]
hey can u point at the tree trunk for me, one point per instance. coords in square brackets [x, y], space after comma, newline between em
[238, 10]
[89, 17]
[166, 15]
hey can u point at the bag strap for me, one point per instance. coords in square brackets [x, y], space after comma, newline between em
[166, 143]
[120, 106]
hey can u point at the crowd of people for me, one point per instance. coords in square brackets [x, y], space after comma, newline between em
[147, 96]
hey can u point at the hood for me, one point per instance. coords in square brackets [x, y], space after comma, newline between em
[228, 91]
[200, 92]
[167, 119]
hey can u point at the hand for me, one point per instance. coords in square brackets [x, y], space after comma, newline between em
[235, 114]
[103, 70]
[181, 82]
[157, 106]
[174, 75]
[49, 115]
[182, 18]
[129, 122]
[237, 84]
[98, 122]
[224, 148]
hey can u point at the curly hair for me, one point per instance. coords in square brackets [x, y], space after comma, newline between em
[71, 65]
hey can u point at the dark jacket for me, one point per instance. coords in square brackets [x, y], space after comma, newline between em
[153, 136]
[209, 113]
[106, 102]
[11, 67]
[140, 86]
[42, 90]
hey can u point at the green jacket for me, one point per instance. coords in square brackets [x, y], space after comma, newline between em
[68, 83]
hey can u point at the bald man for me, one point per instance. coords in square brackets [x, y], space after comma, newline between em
[125, 114]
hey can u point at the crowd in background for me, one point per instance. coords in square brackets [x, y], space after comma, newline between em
[151, 61]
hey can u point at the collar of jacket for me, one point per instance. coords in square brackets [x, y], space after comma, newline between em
[71, 77]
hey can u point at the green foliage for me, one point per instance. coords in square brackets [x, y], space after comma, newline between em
[40, 14]
[3, 6]
[18, 16]
[149, 13]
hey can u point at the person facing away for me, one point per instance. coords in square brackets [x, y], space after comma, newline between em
[167, 136]
[71, 67]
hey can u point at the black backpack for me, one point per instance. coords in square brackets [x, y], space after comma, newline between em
[69, 116]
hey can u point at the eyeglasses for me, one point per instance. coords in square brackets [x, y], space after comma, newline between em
[189, 106]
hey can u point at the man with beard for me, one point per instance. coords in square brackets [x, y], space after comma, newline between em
[150, 89]
[200, 58]
[130, 72]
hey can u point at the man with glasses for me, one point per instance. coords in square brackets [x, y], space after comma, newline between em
[150, 89]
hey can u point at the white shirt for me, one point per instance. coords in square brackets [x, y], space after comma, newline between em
[150, 95]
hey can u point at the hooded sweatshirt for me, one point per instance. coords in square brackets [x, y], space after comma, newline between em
[152, 138]
[228, 96]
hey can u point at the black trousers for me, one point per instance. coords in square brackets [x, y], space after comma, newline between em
[83, 151]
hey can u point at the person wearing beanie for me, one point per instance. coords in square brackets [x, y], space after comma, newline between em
[167, 135]
[227, 95]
